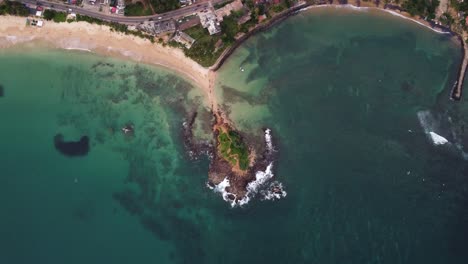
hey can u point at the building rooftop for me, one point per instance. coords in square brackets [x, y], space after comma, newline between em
[209, 21]
[158, 27]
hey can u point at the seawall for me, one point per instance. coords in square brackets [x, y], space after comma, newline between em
[457, 89]
[275, 20]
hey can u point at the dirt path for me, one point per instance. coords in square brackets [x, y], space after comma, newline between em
[442, 8]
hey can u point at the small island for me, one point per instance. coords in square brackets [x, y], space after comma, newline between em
[232, 160]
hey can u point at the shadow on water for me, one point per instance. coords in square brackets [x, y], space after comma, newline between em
[72, 148]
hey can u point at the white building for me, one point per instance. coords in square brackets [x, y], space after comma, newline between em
[209, 21]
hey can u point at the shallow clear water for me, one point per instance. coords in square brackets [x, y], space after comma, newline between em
[341, 91]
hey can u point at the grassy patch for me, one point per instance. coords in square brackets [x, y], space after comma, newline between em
[161, 6]
[203, 50]
[233, 149]
[137, 9]
[218, 6]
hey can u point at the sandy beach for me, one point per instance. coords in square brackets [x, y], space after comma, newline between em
[101, 40]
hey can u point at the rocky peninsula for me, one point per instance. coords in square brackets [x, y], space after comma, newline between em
[238, 163]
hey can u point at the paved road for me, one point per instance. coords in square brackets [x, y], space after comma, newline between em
[175, 14]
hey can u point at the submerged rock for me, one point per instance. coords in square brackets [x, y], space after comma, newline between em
[72, 148]
[1, 91]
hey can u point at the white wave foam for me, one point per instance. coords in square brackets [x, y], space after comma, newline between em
[11, 38]
[261, 177]
[268, 141]
[426, 120]
[430, 125]
[16, 40]
[347, 6]
[79, 49]
[253, 187]
[274, 192]
[221, 188]
[438, 139]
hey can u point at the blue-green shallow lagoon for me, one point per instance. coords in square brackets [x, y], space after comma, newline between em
[341, 91]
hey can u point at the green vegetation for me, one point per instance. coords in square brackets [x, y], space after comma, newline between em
[90, 20]
[62, 17]
[55, 16]
[13, 8]
[446, 19]
[114, 26]
[161, 6]
[423, 8]
[233, 149]
[278, 8]
[203, 50]
[137, 9]
[230, 29]
[218, 6]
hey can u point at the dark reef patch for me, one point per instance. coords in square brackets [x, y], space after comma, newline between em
[72, 148]
[2, 93]
[129, 200]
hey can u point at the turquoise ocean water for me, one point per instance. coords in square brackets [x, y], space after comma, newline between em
[350, 98]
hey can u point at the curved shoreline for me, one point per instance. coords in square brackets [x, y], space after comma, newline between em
[85, 37]
[455, 93]
[102, 40]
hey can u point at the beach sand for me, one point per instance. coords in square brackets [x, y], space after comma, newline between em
[101, 40]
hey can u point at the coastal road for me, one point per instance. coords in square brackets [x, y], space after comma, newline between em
[175, 14]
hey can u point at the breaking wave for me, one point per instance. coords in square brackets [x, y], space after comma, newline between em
[431, 128]
[261, 177]
[274, 192]
[221, 188]
[442, 131]
[438, 139]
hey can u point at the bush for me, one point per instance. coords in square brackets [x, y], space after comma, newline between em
[161, 6]
[137, 9]
[233, 149]
[55, 16]
[230, 29]
[13, 8]
[423, 8]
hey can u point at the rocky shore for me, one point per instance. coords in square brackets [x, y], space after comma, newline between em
[237, 185]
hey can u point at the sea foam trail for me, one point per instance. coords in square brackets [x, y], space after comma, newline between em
[268, 140]
[431, 128]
